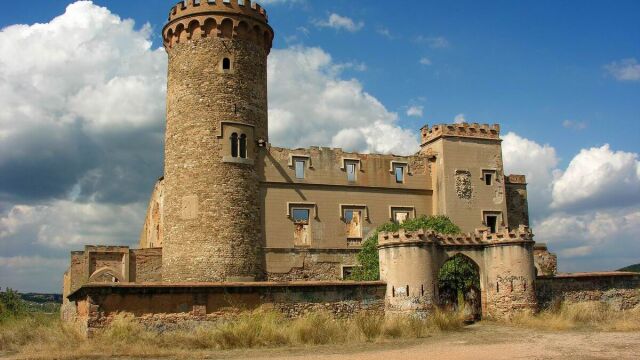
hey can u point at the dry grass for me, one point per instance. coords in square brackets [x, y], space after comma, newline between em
[584, 315]
[48, 337]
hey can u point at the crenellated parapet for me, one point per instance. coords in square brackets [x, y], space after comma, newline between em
[232, 19]
[515, 179]
[464, 130]
[480, 236]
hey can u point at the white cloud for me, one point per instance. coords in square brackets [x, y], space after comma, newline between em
[425, 61]
[340, 22]
[435, 42]
[574, 125]
[65, 224]
[600, 240]
[310, 104]
[459, 119]
[624, 70]
[415, 110]
[385, 32]
[537, 162]
[598, 177]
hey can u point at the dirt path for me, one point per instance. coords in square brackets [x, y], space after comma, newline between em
[477, 342]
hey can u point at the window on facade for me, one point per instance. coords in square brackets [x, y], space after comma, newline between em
[242, 146]
[302, 233]
[492, 222]
[488, 178]
[399, 172]
[234, 145]
[351, 167]
[353, 220]
[347, 271]
[401, 214]
[299, 167]
[226, 64]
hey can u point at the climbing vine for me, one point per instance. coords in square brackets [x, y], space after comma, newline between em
[368, 260]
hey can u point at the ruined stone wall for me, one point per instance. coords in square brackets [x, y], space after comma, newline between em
[212, 209]
[146, 265]
[546, 262]
[517, 203]
[308, 264]
[181, 304]
[620, 290]
[153, 228]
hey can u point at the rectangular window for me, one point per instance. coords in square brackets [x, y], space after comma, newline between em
[353, 220]
[347, 271]
[299, 164]
[401, 214]
[399, 172]
[302, 232]
[351, 170]
[300, 215]
[488, 176]
[492, 222]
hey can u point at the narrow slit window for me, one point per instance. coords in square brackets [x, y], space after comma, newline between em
[351, 171]
[243, 146]
[299, 164]
[399, 172]
[226, 64]
[234, 145]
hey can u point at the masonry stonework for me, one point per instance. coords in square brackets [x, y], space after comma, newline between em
[231, 210]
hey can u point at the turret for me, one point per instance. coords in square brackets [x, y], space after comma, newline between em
[216, 127]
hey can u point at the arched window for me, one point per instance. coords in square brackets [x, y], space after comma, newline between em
[234, 145]
[226, 64]
[243, 146]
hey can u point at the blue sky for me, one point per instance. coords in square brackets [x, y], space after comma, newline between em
[562, 78]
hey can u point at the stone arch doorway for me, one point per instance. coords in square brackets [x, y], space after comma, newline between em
[459, 286]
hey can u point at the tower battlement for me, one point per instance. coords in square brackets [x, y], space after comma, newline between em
[465, 130]
[231, 19]
[479, 237]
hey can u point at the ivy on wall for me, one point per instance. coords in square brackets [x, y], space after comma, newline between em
[369, 268]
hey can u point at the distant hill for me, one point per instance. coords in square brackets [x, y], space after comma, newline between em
[633, 268]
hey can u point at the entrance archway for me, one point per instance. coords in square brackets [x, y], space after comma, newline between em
[459, 287]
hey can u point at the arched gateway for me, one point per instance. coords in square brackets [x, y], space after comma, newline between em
[410, 261]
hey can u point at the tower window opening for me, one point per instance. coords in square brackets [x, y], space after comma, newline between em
[399, 172]
[243, 146]
[488, 178]
[234, 145]
[492, 221]
[299, 163]
[226, 64]
[351, 171]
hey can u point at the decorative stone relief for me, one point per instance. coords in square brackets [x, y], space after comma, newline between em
[464, 189]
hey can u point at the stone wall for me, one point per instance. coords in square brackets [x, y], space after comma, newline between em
[546, 262]
[308, 264]
[517, 202]
[165, 305]
[619, 289]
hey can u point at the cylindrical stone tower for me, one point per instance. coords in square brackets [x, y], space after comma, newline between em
[216, 127]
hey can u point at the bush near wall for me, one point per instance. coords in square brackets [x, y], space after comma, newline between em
[11, 305]
[369, 269]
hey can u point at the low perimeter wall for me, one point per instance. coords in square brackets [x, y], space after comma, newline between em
[163, 305]
[621, 290]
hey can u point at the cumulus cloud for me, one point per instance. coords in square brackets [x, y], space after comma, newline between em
[624, 70]
[415, 110]
[311, 104]
[340, 22]
[459, 119]
[598, 177]
[537, 162]
[73, 89]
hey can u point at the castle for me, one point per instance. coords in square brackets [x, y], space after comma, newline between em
[234, 216]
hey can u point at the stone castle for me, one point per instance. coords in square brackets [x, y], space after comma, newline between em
[235, 217]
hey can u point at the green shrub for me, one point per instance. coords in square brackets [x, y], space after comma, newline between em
[11, 305]
[369, 268]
